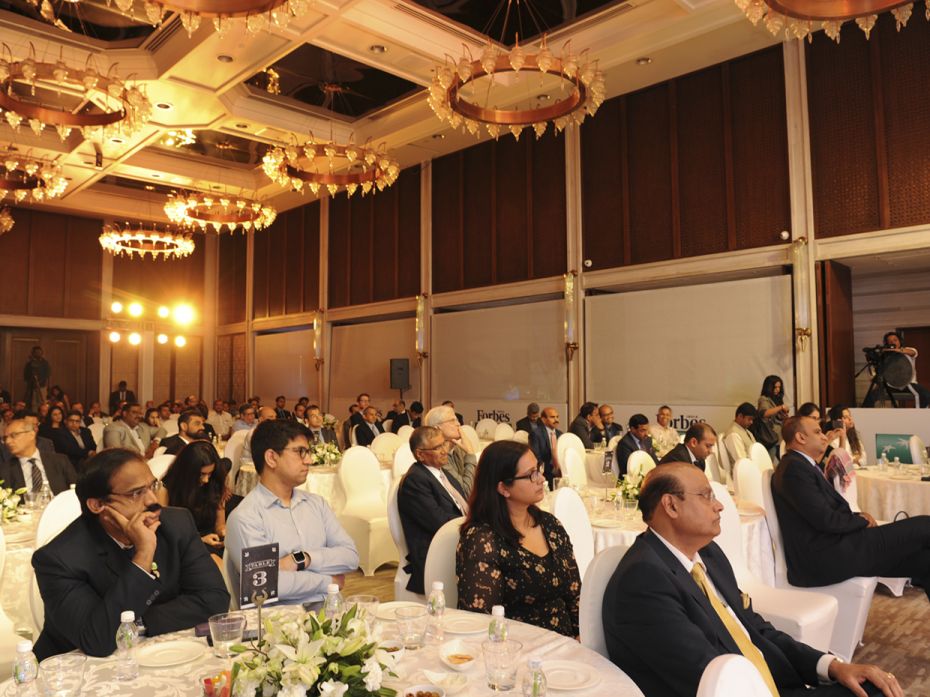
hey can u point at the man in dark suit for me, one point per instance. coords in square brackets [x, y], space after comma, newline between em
[190, 428]
[412, 417]
[75, 440]
[121, 395]
[636, 438]
[279, 411]
[673, 605]
[120, 555]
[397, 408]
[28, 466]
[609, 429]
[699, 443]
[318, 433]
[428, 497]
[543, 443]
[370, 427]
[529, 422]
[362, 402]
[825, 542]
[587, 420]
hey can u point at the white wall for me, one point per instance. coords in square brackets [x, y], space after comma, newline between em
[284, 365]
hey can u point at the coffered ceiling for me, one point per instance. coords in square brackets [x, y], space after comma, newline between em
[346, 68]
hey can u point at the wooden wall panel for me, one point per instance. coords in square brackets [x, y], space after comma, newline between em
[74, 358]
[603, 185]
[835, 321]
[546, 243]
[276, 246]
[311, 270]
[361, 242]
[14, 250]
[339, 249]
[231, 283]
[81, 282]
[260, 246]
[447, 223]
[478, 216]
[47, 254]
[514, 216]
[385, 222]
[408, 247]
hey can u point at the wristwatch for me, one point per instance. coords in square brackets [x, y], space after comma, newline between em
[302, 559]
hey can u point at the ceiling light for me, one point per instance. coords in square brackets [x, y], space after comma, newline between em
[180, 341]
[224, 58]
[149, 187]
[194, 209]
[183, 314]
[644, 60]
[378, 48]
[114, 337]
[6, 220]
[135, 338]
[178, 138]
[164, 106]
[135, 309]
[242, 126]
[26, 178]
[438, 136]
[145, 239]
[156, 175]
[162, 338]
[163, 311]
[797, 19]
[116, 307]
[117, 140]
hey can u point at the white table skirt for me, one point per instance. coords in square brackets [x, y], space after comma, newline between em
[883, 494]
[182, 680]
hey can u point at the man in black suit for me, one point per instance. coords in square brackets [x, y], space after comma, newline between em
[529, 422]
[31, 467]
[636, 438]
[397, 408]
[428, 497]
[587, 420]
[362, 402]
[75, 440]
[543, 443]
[122, 555]
[673, 605]
[699, 443]
[318, 433]
[279, 411]
[121, 395]
[190, 428]
[412, 417]
[825, 542]
[370, 427]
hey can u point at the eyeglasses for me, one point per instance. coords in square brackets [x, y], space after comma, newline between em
[140, 491]
[301, 451]
[435, 449]
[14, 433]
[536, 476]
[708, 495]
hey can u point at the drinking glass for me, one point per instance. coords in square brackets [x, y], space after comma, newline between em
[226, 629]
[629, 508]
[367, 607]
[62, 676]
[411, 625]
[501, 659]
[31, 498]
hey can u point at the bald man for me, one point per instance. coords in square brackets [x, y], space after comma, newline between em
[31, 468]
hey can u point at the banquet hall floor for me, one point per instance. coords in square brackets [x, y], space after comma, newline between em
[897, 636]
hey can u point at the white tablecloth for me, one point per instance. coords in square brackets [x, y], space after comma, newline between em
[19, 537]
[883, 494]
[182, 680]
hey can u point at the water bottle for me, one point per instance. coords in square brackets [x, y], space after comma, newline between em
[534, 682]
[25, 669]
[45, 495]
[334, 605]
[435, 607]
[883, 463]
[497, 630]
[126, 640]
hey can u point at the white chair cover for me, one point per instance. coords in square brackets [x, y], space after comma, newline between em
[569, 441]
[736, 450]
[8, 638]
[568, 507]
[160, 450]
[386, 425]
[385, 445]
[405, 431]
[472, 435]
[96, 430]
[159, 465]
[352, 440]
[712, 470]
[170, 425]
[61, 511]
[440, 560]
[233, 452]
[724, 466]
[749, 481]
[485, 429]
[573, 468]
[732, 674]
[590, 605]
[854, 595]
[521, 436]
[613, 442]
[403, 459]
[365, 514]
[640, 463]
[759, 455]
[503, 432]
[918, 450]
[401, 577]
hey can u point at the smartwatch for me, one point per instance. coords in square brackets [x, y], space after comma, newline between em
[302, 559]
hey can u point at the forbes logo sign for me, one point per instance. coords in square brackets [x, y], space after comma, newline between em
[498, 415]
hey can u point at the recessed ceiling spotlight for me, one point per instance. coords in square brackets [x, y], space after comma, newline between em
[645, 60]
[543, 97]
[242, 126]
[439, 136]
[164, 106]
[156, 175]
[216, 187]
[224, 58]
[149, 187]
[378, 48]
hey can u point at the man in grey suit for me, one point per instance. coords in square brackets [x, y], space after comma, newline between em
[124, 434]
[31, 468]
[319, 434]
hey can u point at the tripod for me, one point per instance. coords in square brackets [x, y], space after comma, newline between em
[877, 387]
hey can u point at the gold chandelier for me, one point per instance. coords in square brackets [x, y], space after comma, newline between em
[798, 19]
[328, 164]
[145, 240]
[29, 179]
[123, 108]
[6, 220]
[194, 209]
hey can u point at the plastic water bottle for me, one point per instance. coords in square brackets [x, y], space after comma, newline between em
[534, 682]
[25, 669]
[497, 630]
[334, 605]
[435, 608]
[127, 638]
[45, 495]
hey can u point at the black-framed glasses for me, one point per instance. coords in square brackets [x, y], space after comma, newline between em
[13, 434]
[708, 495]
[140, 491]
[301, 451]
[436, 448]
[536, 476]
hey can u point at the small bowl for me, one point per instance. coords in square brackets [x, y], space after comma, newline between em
[426, 688]
[393, 648]
[452, 683]
[452, 652]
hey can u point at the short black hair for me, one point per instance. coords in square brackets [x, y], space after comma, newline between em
[94, 483]
[697, 431]
[187, 415]
[887, 334]
[274, 434]
[74, 412]
[638, 420]
[745, 409]
[416, 407]
[421, 436]
[243, 408]
[280, 396]
[661, 481]
[362, 394]
[587, 409]
[21, 414]
[809, 408]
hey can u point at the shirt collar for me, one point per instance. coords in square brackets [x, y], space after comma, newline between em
[679, 555]
[806, 457]
[269, 499]
[35, 456]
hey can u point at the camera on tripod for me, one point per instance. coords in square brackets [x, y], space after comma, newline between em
[873, 354]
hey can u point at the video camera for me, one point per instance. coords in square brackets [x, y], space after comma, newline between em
[873, 354]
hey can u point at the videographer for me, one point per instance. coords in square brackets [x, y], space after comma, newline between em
[891, 343]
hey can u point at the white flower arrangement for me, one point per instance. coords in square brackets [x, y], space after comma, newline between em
[330, 421]
[629, 486]
[324, 454]
[308, 654]
[10, 501]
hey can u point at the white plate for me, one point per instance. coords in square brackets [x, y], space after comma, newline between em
[569, 675]
[386, 610]
[169, 653]
[607, 523]
[466, 623]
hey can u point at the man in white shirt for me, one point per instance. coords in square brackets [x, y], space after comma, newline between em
[220, 419]
[30, 468]
[664, 437]
[673, 605]
[745, 415]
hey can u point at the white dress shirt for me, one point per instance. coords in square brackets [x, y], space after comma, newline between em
[27, 469]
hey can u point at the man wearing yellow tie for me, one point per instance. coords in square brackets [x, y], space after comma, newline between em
[673, 605]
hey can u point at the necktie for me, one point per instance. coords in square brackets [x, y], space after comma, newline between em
[454, 493]
[746, 647]
[36, 474]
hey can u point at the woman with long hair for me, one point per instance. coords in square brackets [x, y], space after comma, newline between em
[54, 420]
[510, 552]
[848, 436]
[56, 395]
[772, 412]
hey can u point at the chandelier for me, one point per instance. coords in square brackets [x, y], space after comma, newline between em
[6, 220]
[123, 109]
[329, 164]
[31, 180]
[799, 19]
[194, 209]
[145, 239]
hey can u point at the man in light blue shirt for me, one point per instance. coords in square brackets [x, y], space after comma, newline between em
[315, 549]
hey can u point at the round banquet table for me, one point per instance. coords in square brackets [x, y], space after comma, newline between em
[182, 680]
[884, 493]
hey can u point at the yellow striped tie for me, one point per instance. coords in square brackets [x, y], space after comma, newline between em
[746, 647]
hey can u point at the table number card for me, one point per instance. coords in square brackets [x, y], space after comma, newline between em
[259, 574]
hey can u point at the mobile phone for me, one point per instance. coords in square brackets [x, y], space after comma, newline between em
[837, 423]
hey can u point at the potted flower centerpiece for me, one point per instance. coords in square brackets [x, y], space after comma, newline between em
[310, 655]
[322, 454]
[629, 486]
[10, 503]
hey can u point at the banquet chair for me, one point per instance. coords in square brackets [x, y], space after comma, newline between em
[352, 440]
[748, 479]
[405, 431]
[613, 442]
[160, 450]
[61, 511]
[521, 436]
[233, 453]
[440, 560]
[471, 435]
[805, 616]
[732, 674]
[759, 455]
[918, 450]
[590, 605]
[364, 517]
[853, 595]
[735, 449]
[503, 432]
[96, 430]
[386, 425]
[159, 465]
[385, 445]
[403, 459]
[401, 577]
[485, 429]
[712, 470]
[640, 463]
[568, 507]
[573, 469]
[8, 637]
[569, 441]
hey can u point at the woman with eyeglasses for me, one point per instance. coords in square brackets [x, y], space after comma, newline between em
[510, 552]
[196, 481]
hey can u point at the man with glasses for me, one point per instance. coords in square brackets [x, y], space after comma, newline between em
[32, 468]
[246, 419]
[462, 459]
[428, 497]
[315, 550]
[123, 553]
[673, 605]
[609, 428]
[75, 440]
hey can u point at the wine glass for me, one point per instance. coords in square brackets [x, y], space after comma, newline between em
[609, 476]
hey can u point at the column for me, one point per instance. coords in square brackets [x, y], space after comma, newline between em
[324, 352]
[209, 318]
[425, 303]
[574, 318]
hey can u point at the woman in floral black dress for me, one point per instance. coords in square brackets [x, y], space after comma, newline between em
[511, 553]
